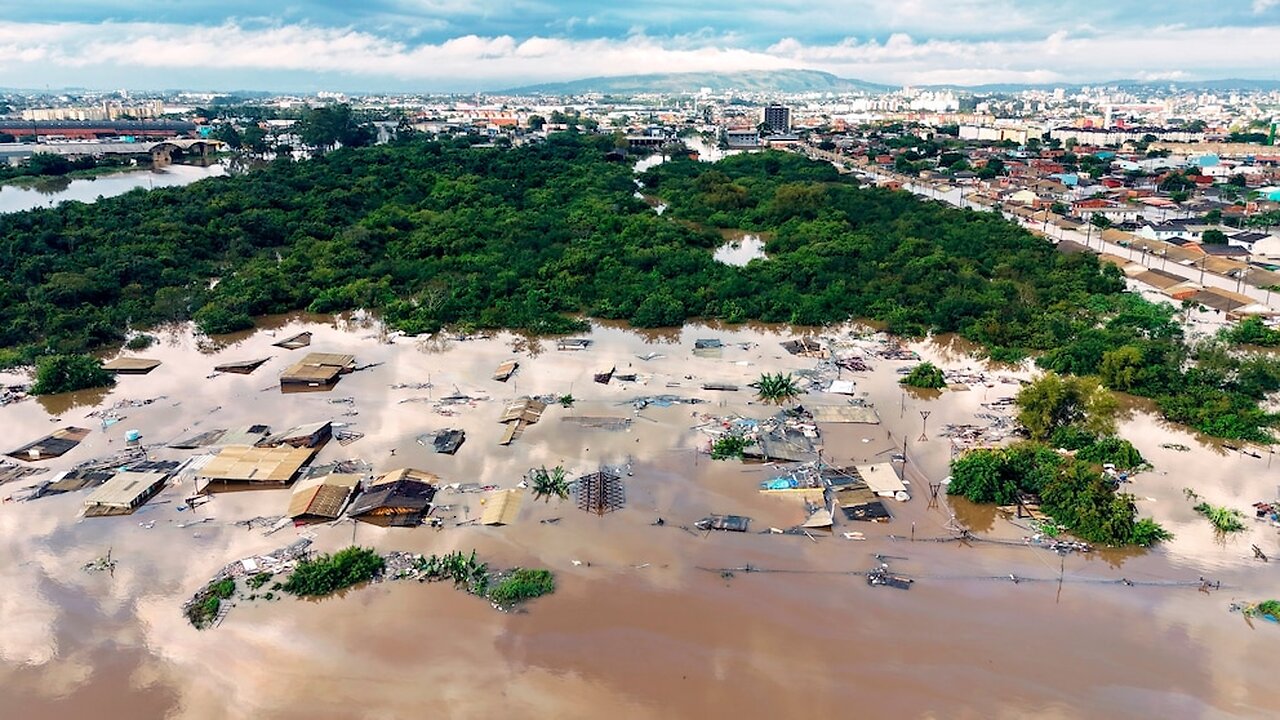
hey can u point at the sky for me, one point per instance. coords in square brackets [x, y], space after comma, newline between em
[472, 45]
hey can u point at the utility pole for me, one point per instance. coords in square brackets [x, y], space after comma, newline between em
[924, 420]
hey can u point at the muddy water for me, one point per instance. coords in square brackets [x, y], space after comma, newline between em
[637, 625]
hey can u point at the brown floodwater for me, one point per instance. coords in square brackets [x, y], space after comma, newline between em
[643, 624]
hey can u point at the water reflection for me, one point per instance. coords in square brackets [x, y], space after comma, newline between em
[741, 250]
[657, 625]
[47, 192]
[57, 405]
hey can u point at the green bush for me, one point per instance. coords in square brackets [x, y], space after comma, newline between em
[1224, 520]
[204, 608]
[523, 584]
[1114, 450]
[1252, 331]
[140, 342]
[1074, 492]
[65, 373]
[1268, 607]
[328, 574]
[730, 446]
[925, 375]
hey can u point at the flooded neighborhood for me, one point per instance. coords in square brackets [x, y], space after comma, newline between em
[829, 559]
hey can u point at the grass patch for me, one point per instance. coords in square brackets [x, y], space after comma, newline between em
[256, 581]
[203, 608]
[523, 584]
[1223, 519]
[505, 590]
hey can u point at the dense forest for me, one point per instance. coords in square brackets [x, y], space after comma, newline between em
[434, 233]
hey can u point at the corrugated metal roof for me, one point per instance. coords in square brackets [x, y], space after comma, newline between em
[881, 478]
[525, 409]
[322, 496]
[406, 474]
[242, 463]
[125, 490]
[318, 367]
[502, 507]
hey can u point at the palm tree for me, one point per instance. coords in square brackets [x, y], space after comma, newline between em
[549, 483]
[777, 389]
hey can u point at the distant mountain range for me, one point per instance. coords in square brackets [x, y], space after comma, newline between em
[1225, 85]
[802, 81]
[782, 81]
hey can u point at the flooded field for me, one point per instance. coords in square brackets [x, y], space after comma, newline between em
[648, 620]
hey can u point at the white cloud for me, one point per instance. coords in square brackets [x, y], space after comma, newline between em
[241, 51]
[1261, 6]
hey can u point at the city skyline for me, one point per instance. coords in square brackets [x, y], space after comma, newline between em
[456, 45]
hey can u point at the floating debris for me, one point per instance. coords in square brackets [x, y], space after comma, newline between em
[411, 386]
[641, 403]
[445, 441]
[505, 370]
[613, 424]
[727, 523]
[346, 437]
[103, 564]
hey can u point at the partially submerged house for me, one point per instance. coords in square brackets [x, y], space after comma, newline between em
[131, 366]
[309, 435]
[243, 435]
[856, 501]
[806, 347]
[317, 371]
[240, 367]
[124, 492]
[248, 465]
[295, 342]
[518, 414]
[54, 445]
[400, 498]
[502, 507]
[323, 497]
[883, 480]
